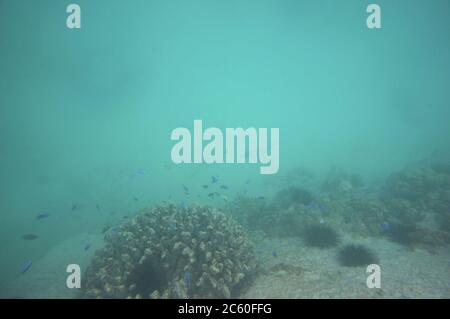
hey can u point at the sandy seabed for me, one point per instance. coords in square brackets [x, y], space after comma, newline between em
[288, 270]
[405, 273]
[47, 276]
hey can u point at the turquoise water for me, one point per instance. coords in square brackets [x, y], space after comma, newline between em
[86, 114]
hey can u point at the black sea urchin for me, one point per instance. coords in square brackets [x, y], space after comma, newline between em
[353, 255]
[402, 234]
[320, 236]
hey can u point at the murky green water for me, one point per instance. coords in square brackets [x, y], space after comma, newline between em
[86, 117]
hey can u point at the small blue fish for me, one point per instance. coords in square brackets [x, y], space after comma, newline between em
[26, 266]
[186, 190]
[30, 236]
[183, 205]
[214, 179]
[247, 181]
[139, 173]
[223, 186]
[312, 205]
[260, 198]
[42, 216]
[187, 278]
[274, 254]
[323, 208]
[173, 227]
[385, 227]
[86, 248]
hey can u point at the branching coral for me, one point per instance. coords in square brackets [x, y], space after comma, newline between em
[172, 252]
